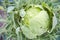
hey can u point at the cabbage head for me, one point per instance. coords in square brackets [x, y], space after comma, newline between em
[37, 21]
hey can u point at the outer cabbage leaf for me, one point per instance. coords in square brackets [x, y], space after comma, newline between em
[28, 33]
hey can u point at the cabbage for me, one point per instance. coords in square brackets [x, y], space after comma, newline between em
[37, 21]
